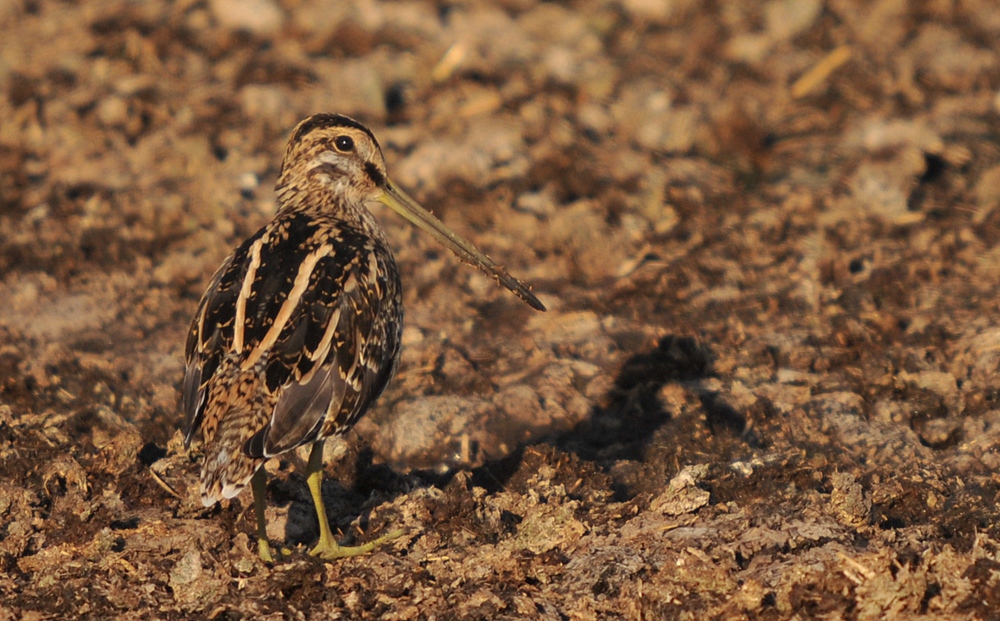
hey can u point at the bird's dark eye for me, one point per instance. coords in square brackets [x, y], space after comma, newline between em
[344, 143]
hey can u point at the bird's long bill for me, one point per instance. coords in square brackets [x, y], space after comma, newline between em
[405, 206]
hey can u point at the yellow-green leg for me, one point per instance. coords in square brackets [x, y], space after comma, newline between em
[328, 548]
[258, 484]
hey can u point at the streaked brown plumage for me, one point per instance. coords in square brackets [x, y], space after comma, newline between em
[299, 330]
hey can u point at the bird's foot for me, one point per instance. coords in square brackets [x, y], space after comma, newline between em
[330, 550]
[264, 550]
[267, 555]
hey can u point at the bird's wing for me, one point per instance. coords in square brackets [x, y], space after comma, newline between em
[300, 309]
[368, 337]
[210, 336]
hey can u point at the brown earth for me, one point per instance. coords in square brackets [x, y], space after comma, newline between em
[768, 235]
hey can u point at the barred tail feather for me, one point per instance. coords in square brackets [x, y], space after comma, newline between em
[225, 473]
[231, 418]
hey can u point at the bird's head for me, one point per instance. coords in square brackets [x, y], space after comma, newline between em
[342, 155]
[337, 152]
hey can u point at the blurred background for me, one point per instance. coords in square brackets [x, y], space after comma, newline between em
[766, 232]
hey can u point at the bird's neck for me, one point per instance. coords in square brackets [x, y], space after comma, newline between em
[325, 201]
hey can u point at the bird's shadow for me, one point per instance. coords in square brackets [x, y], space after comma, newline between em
[622, 424]
[620, 427]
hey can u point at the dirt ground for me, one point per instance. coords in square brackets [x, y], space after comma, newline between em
[768, 234]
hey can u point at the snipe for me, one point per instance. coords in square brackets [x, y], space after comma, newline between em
[299, 331]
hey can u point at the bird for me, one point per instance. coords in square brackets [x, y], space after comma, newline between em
[298, 332]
